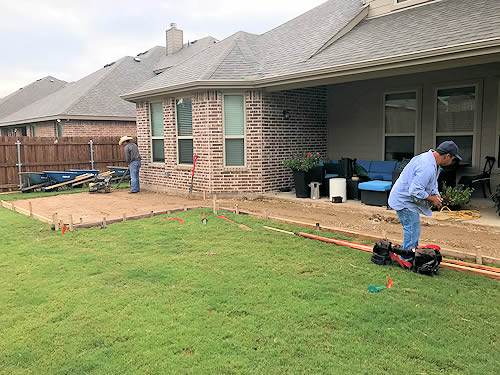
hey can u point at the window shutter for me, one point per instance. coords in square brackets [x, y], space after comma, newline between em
[234, 116]
[185, 151]
[235, 152]
[184, 118]
[400, 112]
[456, 110]
[158, 150]
[156, 120]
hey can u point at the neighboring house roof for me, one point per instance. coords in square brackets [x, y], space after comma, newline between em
[97, 96]
[29, 94]
[301, 46]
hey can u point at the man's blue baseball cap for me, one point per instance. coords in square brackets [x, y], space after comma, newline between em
[449, 147]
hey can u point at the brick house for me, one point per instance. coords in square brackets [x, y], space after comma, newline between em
[24, 96]
[92, 105]
[366, 79]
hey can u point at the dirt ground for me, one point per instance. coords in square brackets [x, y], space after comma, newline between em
[462, 236]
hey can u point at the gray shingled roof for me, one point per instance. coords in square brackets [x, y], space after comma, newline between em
[288, 48]
[29, 94]
[96, 94]
[189, 50]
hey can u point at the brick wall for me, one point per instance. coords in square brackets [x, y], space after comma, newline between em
[305, 131]
[269, 140]
[84, 128]
[44, 129]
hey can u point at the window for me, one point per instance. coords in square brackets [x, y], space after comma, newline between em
[157, 134]
[33, 130]
[400, 122]
[456, 118]
[234, 130]
[184, 117]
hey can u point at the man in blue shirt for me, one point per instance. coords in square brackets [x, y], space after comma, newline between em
[416, 189]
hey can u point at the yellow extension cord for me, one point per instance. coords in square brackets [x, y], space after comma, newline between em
[457, 215]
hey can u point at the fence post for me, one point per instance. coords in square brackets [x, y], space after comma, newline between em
[19, 165]
[91, 143]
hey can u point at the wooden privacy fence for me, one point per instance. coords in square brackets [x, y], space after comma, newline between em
[37, 154]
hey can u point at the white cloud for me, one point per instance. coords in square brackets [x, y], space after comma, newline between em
[70, 39]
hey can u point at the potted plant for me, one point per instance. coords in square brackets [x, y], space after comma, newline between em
[455, 197]
[302, 167]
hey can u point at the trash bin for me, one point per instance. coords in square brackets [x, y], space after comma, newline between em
[338, 188]
[314, 189]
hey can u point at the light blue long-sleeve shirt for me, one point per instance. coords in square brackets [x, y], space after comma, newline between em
[417, 181]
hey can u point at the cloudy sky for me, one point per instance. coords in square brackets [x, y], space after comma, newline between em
[70, 39]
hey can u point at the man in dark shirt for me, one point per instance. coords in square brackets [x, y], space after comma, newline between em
[132, 157]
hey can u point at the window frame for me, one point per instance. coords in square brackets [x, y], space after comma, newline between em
[33, 130]
[477, 116]
[244, 137]
[151, 131]
[177, 136]
[415, 134]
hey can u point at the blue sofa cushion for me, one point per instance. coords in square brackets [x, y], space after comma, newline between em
[331, 175]
[382, 169]
[375, 185]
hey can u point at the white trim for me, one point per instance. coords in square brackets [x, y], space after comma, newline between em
[418, 119]
[177, 137]
[151, 132]
[475, 133]
[244, 137]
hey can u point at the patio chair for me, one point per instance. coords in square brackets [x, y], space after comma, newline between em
[483, 178]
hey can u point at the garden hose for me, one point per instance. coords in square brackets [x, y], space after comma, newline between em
[445, 213]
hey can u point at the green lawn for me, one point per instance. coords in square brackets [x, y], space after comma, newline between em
[160, 297]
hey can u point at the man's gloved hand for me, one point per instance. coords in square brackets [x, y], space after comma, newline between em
[435, 200]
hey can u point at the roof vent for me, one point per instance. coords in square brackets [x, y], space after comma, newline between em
[137, 59]
[173, 25]
[109, 64]
[51, 80]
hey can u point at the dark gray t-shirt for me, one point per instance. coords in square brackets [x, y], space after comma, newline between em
[132, 152]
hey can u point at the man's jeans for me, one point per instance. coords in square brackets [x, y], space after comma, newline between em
[134, 176]
[411, 228]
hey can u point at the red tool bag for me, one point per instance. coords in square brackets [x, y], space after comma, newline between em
[424, 260]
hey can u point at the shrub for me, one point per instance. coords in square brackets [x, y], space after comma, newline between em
[303, 163]
[456, 197]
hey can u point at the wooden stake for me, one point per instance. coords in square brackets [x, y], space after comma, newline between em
[124, 216]
[104, 222]
[318, 228]
[237, 210]
[479, 258]
[71, 223]
[81, 220]
[13, 207]
[266, 215]
[185, 208]
[204, 195]
[30, 208]
[61, 223]
[214, 201]
[151, 214]
[55, 221]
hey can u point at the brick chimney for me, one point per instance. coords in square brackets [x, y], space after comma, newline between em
[174, 39]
